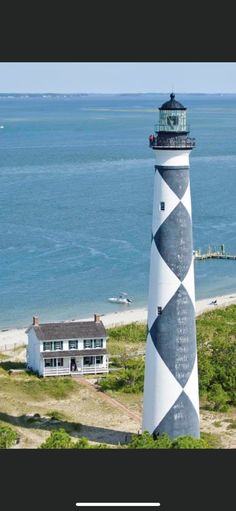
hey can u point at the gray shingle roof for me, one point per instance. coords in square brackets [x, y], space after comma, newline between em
[69, 330]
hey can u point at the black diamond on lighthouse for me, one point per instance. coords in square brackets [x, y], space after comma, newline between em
[171, 402]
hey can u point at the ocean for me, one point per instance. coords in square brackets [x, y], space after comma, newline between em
[76, 191]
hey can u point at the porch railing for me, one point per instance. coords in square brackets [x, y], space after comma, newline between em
[63, 371]
[56, 371]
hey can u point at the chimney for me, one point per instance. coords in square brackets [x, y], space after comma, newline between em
[97, 318]
[35, 321]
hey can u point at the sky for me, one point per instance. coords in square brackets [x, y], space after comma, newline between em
[117, 77]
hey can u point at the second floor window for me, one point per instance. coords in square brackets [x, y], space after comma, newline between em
[88, 343]
[98, 343]
[162, 206]
[58, 345]
[47, 346]
[73, 345]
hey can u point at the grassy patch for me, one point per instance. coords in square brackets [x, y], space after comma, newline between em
[39, 389]
[126, 339]
[214, 441]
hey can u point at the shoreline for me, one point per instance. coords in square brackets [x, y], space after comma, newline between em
[19, 336]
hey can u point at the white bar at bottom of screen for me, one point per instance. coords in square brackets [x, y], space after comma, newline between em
[118, 504]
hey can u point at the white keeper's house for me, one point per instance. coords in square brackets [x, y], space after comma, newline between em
[67, 348]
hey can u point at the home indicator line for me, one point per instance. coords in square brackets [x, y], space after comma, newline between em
[118, 504]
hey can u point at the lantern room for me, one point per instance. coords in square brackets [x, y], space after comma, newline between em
[172, 117]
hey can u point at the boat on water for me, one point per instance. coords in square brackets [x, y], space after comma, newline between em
[121, 298]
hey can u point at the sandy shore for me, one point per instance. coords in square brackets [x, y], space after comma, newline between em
[19, 336]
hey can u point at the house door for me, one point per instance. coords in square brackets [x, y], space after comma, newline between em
[73, 366]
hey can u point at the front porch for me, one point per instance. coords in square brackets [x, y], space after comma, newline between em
[75, 366]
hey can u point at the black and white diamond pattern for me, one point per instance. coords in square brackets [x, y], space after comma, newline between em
[171, 379]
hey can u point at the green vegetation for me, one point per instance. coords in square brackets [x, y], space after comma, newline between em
[128, 379]
[8, 437]
[216, 334]
[216, 337]
[147, 441]
[55, 415]
[60, 439]
[30, 385]
[213, 440]
[124, 341]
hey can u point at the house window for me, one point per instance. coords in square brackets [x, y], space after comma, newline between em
[60, 362]
[99, 359]
[73, 345]
[98, 343]
[48, 362]
[162, 206]
[88, 343]
[159, 311]
[58, 345]
[88, 361]
[47, 346]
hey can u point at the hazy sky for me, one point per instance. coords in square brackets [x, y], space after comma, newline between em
[118, 77]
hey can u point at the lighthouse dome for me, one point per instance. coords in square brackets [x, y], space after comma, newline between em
[172, 104]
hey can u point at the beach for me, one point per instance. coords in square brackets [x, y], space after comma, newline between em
[17, 336]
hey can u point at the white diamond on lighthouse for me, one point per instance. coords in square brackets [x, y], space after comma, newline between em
[186, 201]
[188, 283]
[191, 387]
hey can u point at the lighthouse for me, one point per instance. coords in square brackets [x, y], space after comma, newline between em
[171, 401]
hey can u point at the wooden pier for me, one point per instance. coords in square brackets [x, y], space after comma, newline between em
[213, 254]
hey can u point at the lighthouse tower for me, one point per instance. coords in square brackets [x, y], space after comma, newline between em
[171, 402]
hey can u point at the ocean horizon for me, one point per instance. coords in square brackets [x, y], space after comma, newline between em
[76, 191]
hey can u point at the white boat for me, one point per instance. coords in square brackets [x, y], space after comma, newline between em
[121, 298]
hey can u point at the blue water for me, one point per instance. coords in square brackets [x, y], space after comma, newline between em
[76, 186]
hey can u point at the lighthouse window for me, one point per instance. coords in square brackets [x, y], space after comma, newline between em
[159, 311]
[162, 206]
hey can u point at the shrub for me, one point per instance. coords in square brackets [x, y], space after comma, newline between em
[218, 398]
[8, 437]
[58, 439]
[188, 442]
[147, 441]
[128, 379]
[55, 415]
